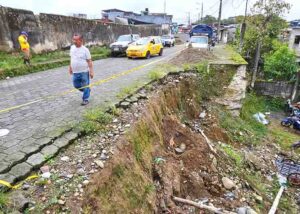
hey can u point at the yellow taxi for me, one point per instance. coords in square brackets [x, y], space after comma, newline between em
[145, 47]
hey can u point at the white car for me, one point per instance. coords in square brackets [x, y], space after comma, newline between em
[199, 42]
[121, 45]
[168, 40]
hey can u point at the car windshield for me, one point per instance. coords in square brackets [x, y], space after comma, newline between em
[166, 37]
[201, 40]
[124, 38]
[142, 41]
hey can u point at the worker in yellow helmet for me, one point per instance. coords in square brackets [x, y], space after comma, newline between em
[25, 47]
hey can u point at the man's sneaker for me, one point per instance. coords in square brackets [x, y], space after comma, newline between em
[84, 102]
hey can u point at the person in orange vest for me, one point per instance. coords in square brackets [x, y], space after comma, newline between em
[25, 47]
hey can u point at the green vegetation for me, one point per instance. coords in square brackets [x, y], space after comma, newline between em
[245, 129]
[234, 155]
[129, 186]
[3, 200]
[235, 57]
[115, 111]
[280, 63]
[212, 82]
[141, 140]
[161, 70]
[128, 90]
[156, 75]
[11, 65]
[94, 120]
[282, 137]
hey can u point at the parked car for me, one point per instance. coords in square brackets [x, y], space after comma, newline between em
[199, 42]
[168, 40]
[145, 47]
[121, 45]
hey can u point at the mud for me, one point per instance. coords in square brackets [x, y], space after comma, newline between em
[191, 56]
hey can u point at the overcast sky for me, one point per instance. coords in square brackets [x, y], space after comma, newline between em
[178, 8]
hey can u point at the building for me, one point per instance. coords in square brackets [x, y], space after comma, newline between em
[80, 15]
[294, 41]
[134, 18]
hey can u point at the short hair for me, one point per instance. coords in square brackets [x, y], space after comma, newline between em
[79, 35]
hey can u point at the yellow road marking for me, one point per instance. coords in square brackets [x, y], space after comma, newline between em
[17, 186]
[98, 82]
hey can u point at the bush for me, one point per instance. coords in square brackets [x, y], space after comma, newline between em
[280, 64]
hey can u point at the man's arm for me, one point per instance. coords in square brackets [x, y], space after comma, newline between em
[70, 70]
[91, 68]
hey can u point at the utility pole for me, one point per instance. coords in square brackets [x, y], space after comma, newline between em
[165, 6]
[243, 29]
[189, 18]
[202, 12]
[219, 19]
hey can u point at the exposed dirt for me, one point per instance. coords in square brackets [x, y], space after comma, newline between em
[192, 55]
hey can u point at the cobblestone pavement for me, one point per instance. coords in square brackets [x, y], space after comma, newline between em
[36, 118]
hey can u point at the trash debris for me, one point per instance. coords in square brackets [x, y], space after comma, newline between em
[46, 175]
[159, 160]
[261, 118]
[202, 115]
[3, 132]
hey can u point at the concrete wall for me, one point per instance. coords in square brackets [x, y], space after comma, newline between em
[274, 89]
[51, 32]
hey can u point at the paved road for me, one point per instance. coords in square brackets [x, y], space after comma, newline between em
[33, 108]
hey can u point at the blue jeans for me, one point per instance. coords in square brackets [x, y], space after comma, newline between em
[81, 80]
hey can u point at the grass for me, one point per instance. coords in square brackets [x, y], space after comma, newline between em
[114, 110]
[129, 186]
[245, 129]
[141, 140]
[234, 56]
[3, 200]
[160, 71]
[234, 155]
[128, 90]
[94, 120]
[155, 75]
[202, 67]
[282, 137]
[11, 65]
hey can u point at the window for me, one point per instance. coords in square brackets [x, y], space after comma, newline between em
[142, 41]
[124, 38]
[157, 40]
[202, 40]
[297, 40]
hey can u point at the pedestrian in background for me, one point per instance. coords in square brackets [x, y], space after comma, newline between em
[25, 47]
[81, 67]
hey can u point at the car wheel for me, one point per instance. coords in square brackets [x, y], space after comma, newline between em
[173, 44]
[160, 52]
[148, 55]
[129, 57]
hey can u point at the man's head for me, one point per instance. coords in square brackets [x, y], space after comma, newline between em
[77, 40]
[24, 33]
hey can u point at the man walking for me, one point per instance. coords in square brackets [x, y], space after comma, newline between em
[81, 67]
[25, 47]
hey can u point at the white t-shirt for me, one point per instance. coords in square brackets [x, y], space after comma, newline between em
[79, 57]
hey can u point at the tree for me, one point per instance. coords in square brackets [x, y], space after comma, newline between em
[229, 21]
[208, 19]
[265, 13]
[280, 63]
